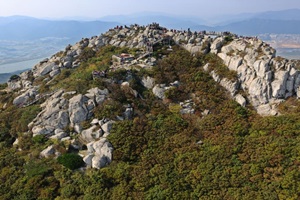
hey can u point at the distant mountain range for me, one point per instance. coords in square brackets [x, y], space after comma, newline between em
[60, 32]
[257, 26]
[279, 22]
[28, 28]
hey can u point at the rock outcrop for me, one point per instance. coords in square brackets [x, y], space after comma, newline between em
[265, 80]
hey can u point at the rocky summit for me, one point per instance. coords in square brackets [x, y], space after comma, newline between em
[111, 97]
[263, 80]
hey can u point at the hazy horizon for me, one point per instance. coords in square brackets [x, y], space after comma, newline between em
[93, 9]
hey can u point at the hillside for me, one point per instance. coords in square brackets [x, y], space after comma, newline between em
[146, 112]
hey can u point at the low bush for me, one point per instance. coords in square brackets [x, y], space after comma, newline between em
[71, 161]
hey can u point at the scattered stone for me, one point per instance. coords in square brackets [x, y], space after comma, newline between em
[49, 151]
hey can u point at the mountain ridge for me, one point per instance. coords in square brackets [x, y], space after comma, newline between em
[137, 106]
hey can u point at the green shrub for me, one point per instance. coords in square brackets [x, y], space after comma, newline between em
[35, 168]
[24, 116]
[87, 53]
[39, 139]
[71, 161]
[227, 39]
[3, 86]
[14, 77]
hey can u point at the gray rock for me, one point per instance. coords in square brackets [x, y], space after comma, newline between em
[206, 67]
[55, 112]
[107, 126]
[21, 100]
[298, 92]
[77, 109]
[54, 73]
[279, 84]
[148, 82]
[261, 67]
[49, 151]
[16, 142]
[94, 122]
[266, 110]
[14, 85]
[226, 59]
[97, 95]
[65, 139]
[43, 69]
[240, 99]
[235, 62]
[205, 112]
[91, 134]
[88, 159]
[25, 97]
[259, 91]
[59, 135]
[103, 153]
[42, 130]
[68, 64]
[128, 114]
[230, 86]
[217, 45]
[159, 91]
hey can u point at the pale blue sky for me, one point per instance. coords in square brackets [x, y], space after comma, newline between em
[99, 8]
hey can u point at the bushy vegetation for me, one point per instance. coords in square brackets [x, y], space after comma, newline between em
[71, 160]
[232, 153]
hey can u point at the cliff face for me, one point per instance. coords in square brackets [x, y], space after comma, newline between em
[263, 80]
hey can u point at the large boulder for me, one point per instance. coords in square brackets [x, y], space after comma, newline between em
[279, 84]
[78, 111]
[91, 134]
[235, 62]
[25, 97]
[43, 68]
[217, 45]
[259, 91]
[55, 112]
[103, 153]
[261, 67]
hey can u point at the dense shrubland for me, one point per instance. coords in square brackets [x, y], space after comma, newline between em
[232, 153]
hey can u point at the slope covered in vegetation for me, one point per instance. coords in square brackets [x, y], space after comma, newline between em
[220, 151]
